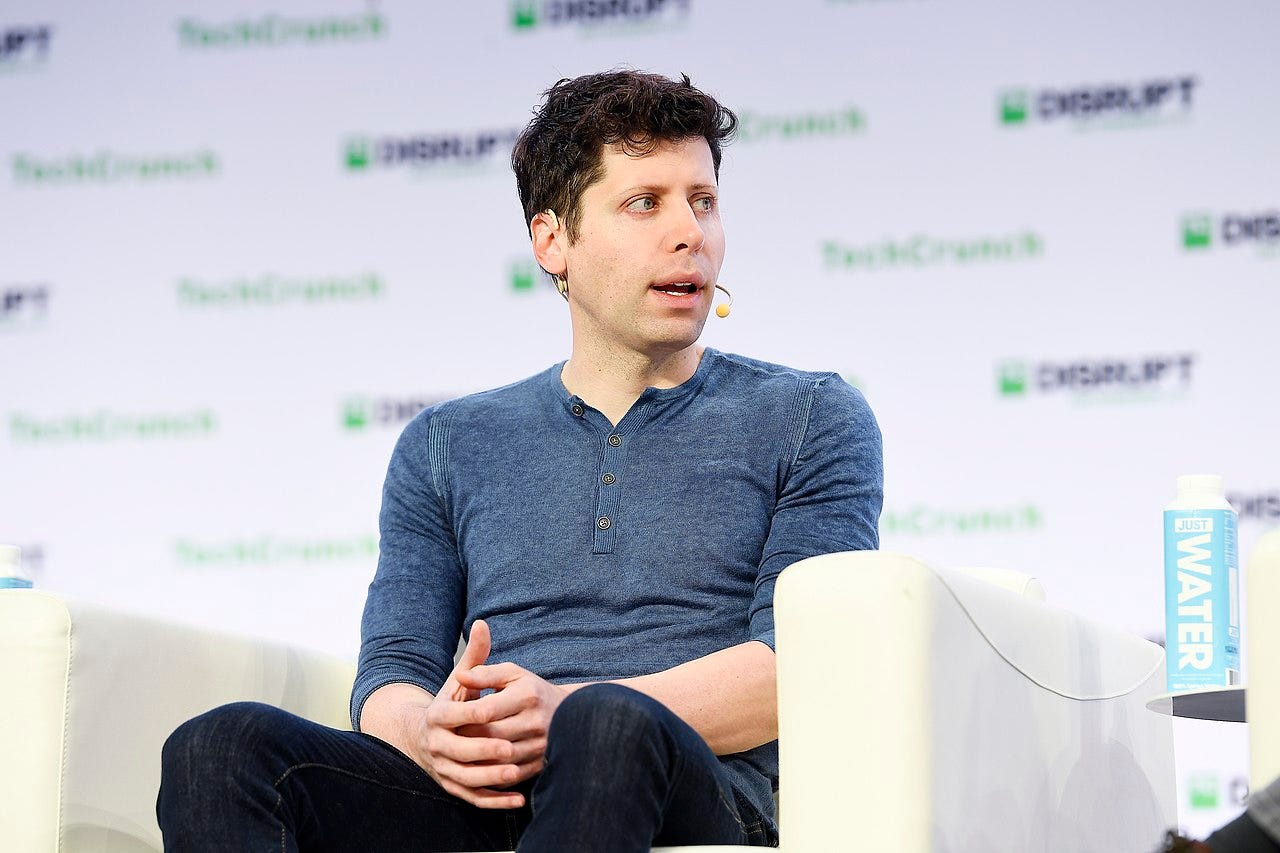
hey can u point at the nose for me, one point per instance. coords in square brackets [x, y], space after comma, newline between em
[686, 231]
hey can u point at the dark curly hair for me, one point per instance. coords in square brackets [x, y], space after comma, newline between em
[561, 152]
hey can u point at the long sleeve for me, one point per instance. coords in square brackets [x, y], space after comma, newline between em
[832, 495]
[414, 610]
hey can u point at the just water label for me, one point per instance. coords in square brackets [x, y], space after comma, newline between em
[1202, 612]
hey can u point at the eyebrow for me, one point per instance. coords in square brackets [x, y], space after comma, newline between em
[659, 189]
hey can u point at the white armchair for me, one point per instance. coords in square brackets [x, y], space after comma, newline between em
[89, 697]
[926, 710]
[961, 717]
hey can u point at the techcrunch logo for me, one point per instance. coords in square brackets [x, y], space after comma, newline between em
[757, 127]
[275, 31]
[268, 550]
[361, 153]
[1144, 102]
[360, 413]
[271, 289]
[1264, 506]
[24, 47]
[23, 305]
[527, 15]
[1260, 229]
[1135, 378]
[922, 520]
[107, 167]
[105, 425]
[924, 251]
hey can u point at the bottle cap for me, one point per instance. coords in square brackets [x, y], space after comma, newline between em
[1200, 483]
[10, 560]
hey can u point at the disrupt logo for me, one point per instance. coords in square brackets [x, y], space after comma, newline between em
[529, 14]
[270, 289]
[363, 412]
[1159, 98]
[1264, 506]
[1202, 790]
[1205, 792]
[524, 276]
[105, 425]
[269, 549]
[922, 520]
[756, 127]
[1261, 229]
[274, 31]
[24, 47]
[363, 152]
[925, 251]
[108, 167]
[1015, 378]
[23, 304]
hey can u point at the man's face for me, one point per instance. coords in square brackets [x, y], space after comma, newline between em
[649, 249]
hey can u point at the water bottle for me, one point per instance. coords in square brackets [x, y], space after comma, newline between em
[1202, 587]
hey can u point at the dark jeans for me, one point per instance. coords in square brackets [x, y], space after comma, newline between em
[622, 773]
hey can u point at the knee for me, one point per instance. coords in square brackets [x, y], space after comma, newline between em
[224, 737]
[609, 714]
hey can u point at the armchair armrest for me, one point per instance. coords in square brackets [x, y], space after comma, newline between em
[939, 712]
[91, 695]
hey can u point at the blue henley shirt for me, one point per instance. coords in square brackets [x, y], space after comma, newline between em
[600, 552]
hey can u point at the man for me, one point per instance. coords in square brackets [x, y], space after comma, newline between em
[620, 517]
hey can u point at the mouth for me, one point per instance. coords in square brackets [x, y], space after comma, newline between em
[676, 288]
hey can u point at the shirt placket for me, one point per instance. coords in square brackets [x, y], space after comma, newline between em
[615, 442]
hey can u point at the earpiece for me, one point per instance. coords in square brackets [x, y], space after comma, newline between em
[723, 309]
[555, 220]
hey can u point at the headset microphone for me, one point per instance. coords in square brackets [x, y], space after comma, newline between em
[723, 309]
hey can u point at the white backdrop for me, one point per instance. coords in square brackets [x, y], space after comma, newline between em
[240, 245]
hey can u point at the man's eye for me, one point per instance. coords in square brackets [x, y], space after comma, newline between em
[704, 204]
[641, 204]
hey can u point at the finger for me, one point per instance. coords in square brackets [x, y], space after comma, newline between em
[526, 752]
[485, 798]
[529, 769]
[476, 775]
[486, 709]
[522, 726]
[478, 646]
[443, 742]
[523, 752]
[451, 689]
[493, 676]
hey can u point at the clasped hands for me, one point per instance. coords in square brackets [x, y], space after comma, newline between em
[474, 745]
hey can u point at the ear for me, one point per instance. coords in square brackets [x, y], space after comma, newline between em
[548, 244]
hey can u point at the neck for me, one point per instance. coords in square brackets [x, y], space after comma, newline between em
[612, 380]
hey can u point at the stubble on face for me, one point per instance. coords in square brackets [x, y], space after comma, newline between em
[652, 219]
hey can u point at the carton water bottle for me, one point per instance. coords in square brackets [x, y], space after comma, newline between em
[1202, 587]
[11, 574]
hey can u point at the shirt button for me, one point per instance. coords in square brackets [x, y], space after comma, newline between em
[615, 440]
[603, 523]
[577, 409]
[608, 479]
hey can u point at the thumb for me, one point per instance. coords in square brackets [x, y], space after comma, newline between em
[478, 645]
